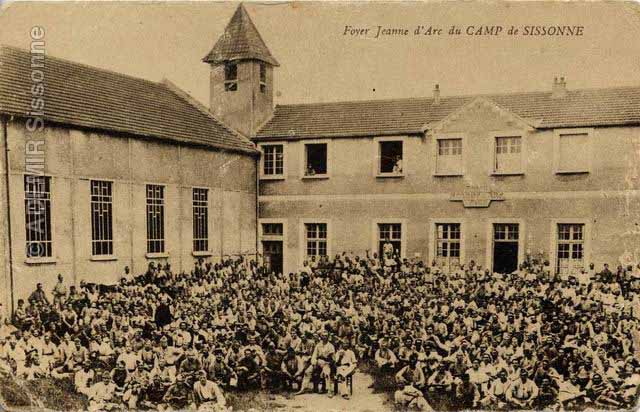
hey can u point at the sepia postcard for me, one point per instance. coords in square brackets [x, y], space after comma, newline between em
[319, 206]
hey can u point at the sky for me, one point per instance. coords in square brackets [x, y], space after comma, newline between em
[318, 63]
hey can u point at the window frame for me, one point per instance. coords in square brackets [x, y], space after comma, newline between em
[303, 157]
[375, 234]
[230, 82]
[432, 252]
[522, 241]
[282, 176]
[207, 251]
[163, 253]
[108, 256]
[302, 237]
[494, 158]
[557, 135]
[586, 241]
[435, 155]
[278, 238]
[39, 259]
[262, 66]
[378, 156]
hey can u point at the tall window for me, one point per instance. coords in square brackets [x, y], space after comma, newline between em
[200, 220]
[316, 159]
[390, 157]
[273, 160]
[155, 219]
[37, 212]
[101, 218]
[508, 154]
[570, 248]
[449, 157]
[389, 233]
[447, 244]
[263, 77]
[230, 77]
[573, 153]
[316, 239]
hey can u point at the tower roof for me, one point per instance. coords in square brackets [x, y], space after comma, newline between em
[241, 40]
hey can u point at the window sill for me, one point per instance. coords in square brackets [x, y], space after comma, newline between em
[156, 255]
[452, 174]
[389, 175]
[274, 177]
[508, 173]
[571, 172]
[310, 177]
[103, 258]
[41, 261]
[203, 253]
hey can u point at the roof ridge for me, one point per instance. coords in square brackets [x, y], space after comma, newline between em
[85, 65]
[455, 96]
[173, 88]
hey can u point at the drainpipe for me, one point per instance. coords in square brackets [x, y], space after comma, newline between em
[8, 195]
[257, 206]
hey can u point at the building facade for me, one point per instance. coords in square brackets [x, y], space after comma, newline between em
[104, 171]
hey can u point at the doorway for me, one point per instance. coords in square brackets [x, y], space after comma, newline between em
[505, 247]
[272, 251]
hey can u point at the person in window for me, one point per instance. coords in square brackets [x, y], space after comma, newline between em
[310, 171]
[397, 165]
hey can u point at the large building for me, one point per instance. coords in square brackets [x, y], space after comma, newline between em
[104, 170]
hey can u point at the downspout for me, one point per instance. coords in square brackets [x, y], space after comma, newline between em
[8, 196]
[257, 208]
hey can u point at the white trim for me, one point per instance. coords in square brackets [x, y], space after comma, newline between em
[302, 244]
[572, 194]
[303, 158]
[103, 258]
[489, 238]
[590, 132]
[156, 255]
[494, 140]
[553, 240]
[261, 174]
[431, 253]
[377, 156]
[403, 234]
[434, 154]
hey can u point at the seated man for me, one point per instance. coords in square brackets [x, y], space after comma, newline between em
[248, 370]
[272, 372]
[291, 369]
[345, 365]
[178, 397]
[208, 395]
[102, 394]
[523, 391]
[411, 380]
[385, 358]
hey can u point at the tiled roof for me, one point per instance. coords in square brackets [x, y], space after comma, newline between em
[579, 108]
[241, 40]
[89, 97]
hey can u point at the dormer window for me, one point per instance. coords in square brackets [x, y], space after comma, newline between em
[263, 78]
[230, 77]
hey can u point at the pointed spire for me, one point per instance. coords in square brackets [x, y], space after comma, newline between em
[241, 40]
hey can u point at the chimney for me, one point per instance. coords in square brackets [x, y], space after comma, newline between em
[436, 94]
[559, 89]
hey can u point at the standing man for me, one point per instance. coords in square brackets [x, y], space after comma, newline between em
[59, 292]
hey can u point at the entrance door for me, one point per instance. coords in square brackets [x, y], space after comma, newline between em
[505, 247]
[273, 255]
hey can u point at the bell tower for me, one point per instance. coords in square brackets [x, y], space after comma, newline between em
[241, 77]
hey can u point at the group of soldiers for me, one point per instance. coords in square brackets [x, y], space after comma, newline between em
[456, 337]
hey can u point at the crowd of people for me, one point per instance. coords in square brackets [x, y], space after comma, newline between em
[459, 338]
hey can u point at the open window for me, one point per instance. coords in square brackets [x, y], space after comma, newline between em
[230, 77]
[391, 156]
[316, 160]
